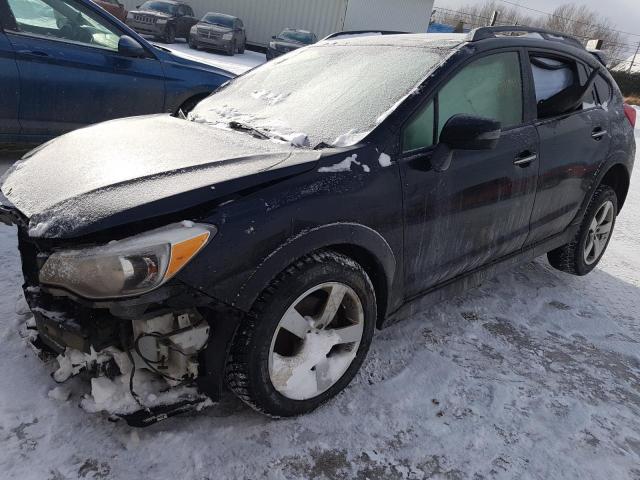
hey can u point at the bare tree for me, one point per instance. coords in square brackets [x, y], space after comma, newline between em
[577, 20]
[585, 24]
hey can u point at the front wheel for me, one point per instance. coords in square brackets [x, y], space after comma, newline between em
[583, 253]
[306, 336]
[169, 34]
[193, 43]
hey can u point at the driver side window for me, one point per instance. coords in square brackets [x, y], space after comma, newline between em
[489, 87]
[63, 20]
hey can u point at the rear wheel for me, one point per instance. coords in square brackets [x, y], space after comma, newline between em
[583, 253]
[306, 336]
[231, 49]
[242, 47]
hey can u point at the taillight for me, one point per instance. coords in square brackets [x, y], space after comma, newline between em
[631, 114]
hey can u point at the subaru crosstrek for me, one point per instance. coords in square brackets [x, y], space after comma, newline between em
[260, 242]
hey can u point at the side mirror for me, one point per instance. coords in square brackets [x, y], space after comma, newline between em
[273, 37]
[465, 132]
[128, 47]
[137, 7]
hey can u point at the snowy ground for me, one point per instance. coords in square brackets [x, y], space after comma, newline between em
[237, 64]
[534, 375]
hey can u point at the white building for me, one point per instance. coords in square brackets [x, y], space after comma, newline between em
[265, 18]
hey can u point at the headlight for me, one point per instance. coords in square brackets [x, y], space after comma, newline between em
[127, 267]
[129, 15]
[227, 36]
[272, 45]
[194, 29]
[161, 21]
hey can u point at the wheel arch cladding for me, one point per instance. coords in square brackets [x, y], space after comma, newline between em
[617, 177]
[362, 244]
[374, 269]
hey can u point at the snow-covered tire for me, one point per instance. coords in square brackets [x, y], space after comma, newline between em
[248, 368]
[570, 258]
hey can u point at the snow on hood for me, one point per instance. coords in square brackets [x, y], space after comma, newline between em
[126, 170]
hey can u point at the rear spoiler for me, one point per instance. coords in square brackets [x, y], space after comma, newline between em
[594, 47]
[355, 33]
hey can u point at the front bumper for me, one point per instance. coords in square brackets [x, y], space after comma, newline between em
[99, 338]
[217, 43]
[273, 53]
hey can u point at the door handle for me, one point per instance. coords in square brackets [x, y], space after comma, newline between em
[36, 53]
[598, 133]
[525, 159]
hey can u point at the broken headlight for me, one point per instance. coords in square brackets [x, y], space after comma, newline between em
[127, 267]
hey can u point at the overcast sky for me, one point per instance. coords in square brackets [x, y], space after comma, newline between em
[624, 13]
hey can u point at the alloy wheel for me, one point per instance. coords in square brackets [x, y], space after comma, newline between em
[599, 232]
[316, 341]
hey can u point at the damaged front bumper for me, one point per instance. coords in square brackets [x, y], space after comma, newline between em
[163, 363]
[148, 357]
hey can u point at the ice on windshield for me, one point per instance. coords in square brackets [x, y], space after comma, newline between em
[325, 91]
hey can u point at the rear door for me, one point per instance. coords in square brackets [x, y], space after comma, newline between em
[10, 85]
[71, 73]
[478, 210]
[572, 144]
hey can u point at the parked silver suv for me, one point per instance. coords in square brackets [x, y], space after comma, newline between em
[219, 31]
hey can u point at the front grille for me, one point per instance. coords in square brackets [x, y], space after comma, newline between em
[204, 33]
[144, 19]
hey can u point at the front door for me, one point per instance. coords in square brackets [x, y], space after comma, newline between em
[71, 73]
[477, 210]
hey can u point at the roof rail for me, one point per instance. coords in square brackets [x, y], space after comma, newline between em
[363, 32]
[483, 33]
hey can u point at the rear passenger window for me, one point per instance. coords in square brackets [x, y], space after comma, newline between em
[558, 86]
[552, 76]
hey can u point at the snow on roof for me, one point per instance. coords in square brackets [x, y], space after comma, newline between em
[405, 39]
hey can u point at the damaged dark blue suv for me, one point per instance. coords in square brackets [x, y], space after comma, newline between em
[261, 241]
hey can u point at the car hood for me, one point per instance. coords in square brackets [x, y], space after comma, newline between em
[124, 171]
[289, 44]
[151, 13]
[183, 59]
[214, 28]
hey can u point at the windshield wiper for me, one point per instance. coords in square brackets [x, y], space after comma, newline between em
[243, 127]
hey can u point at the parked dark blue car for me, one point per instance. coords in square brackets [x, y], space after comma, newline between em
[68, 63]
